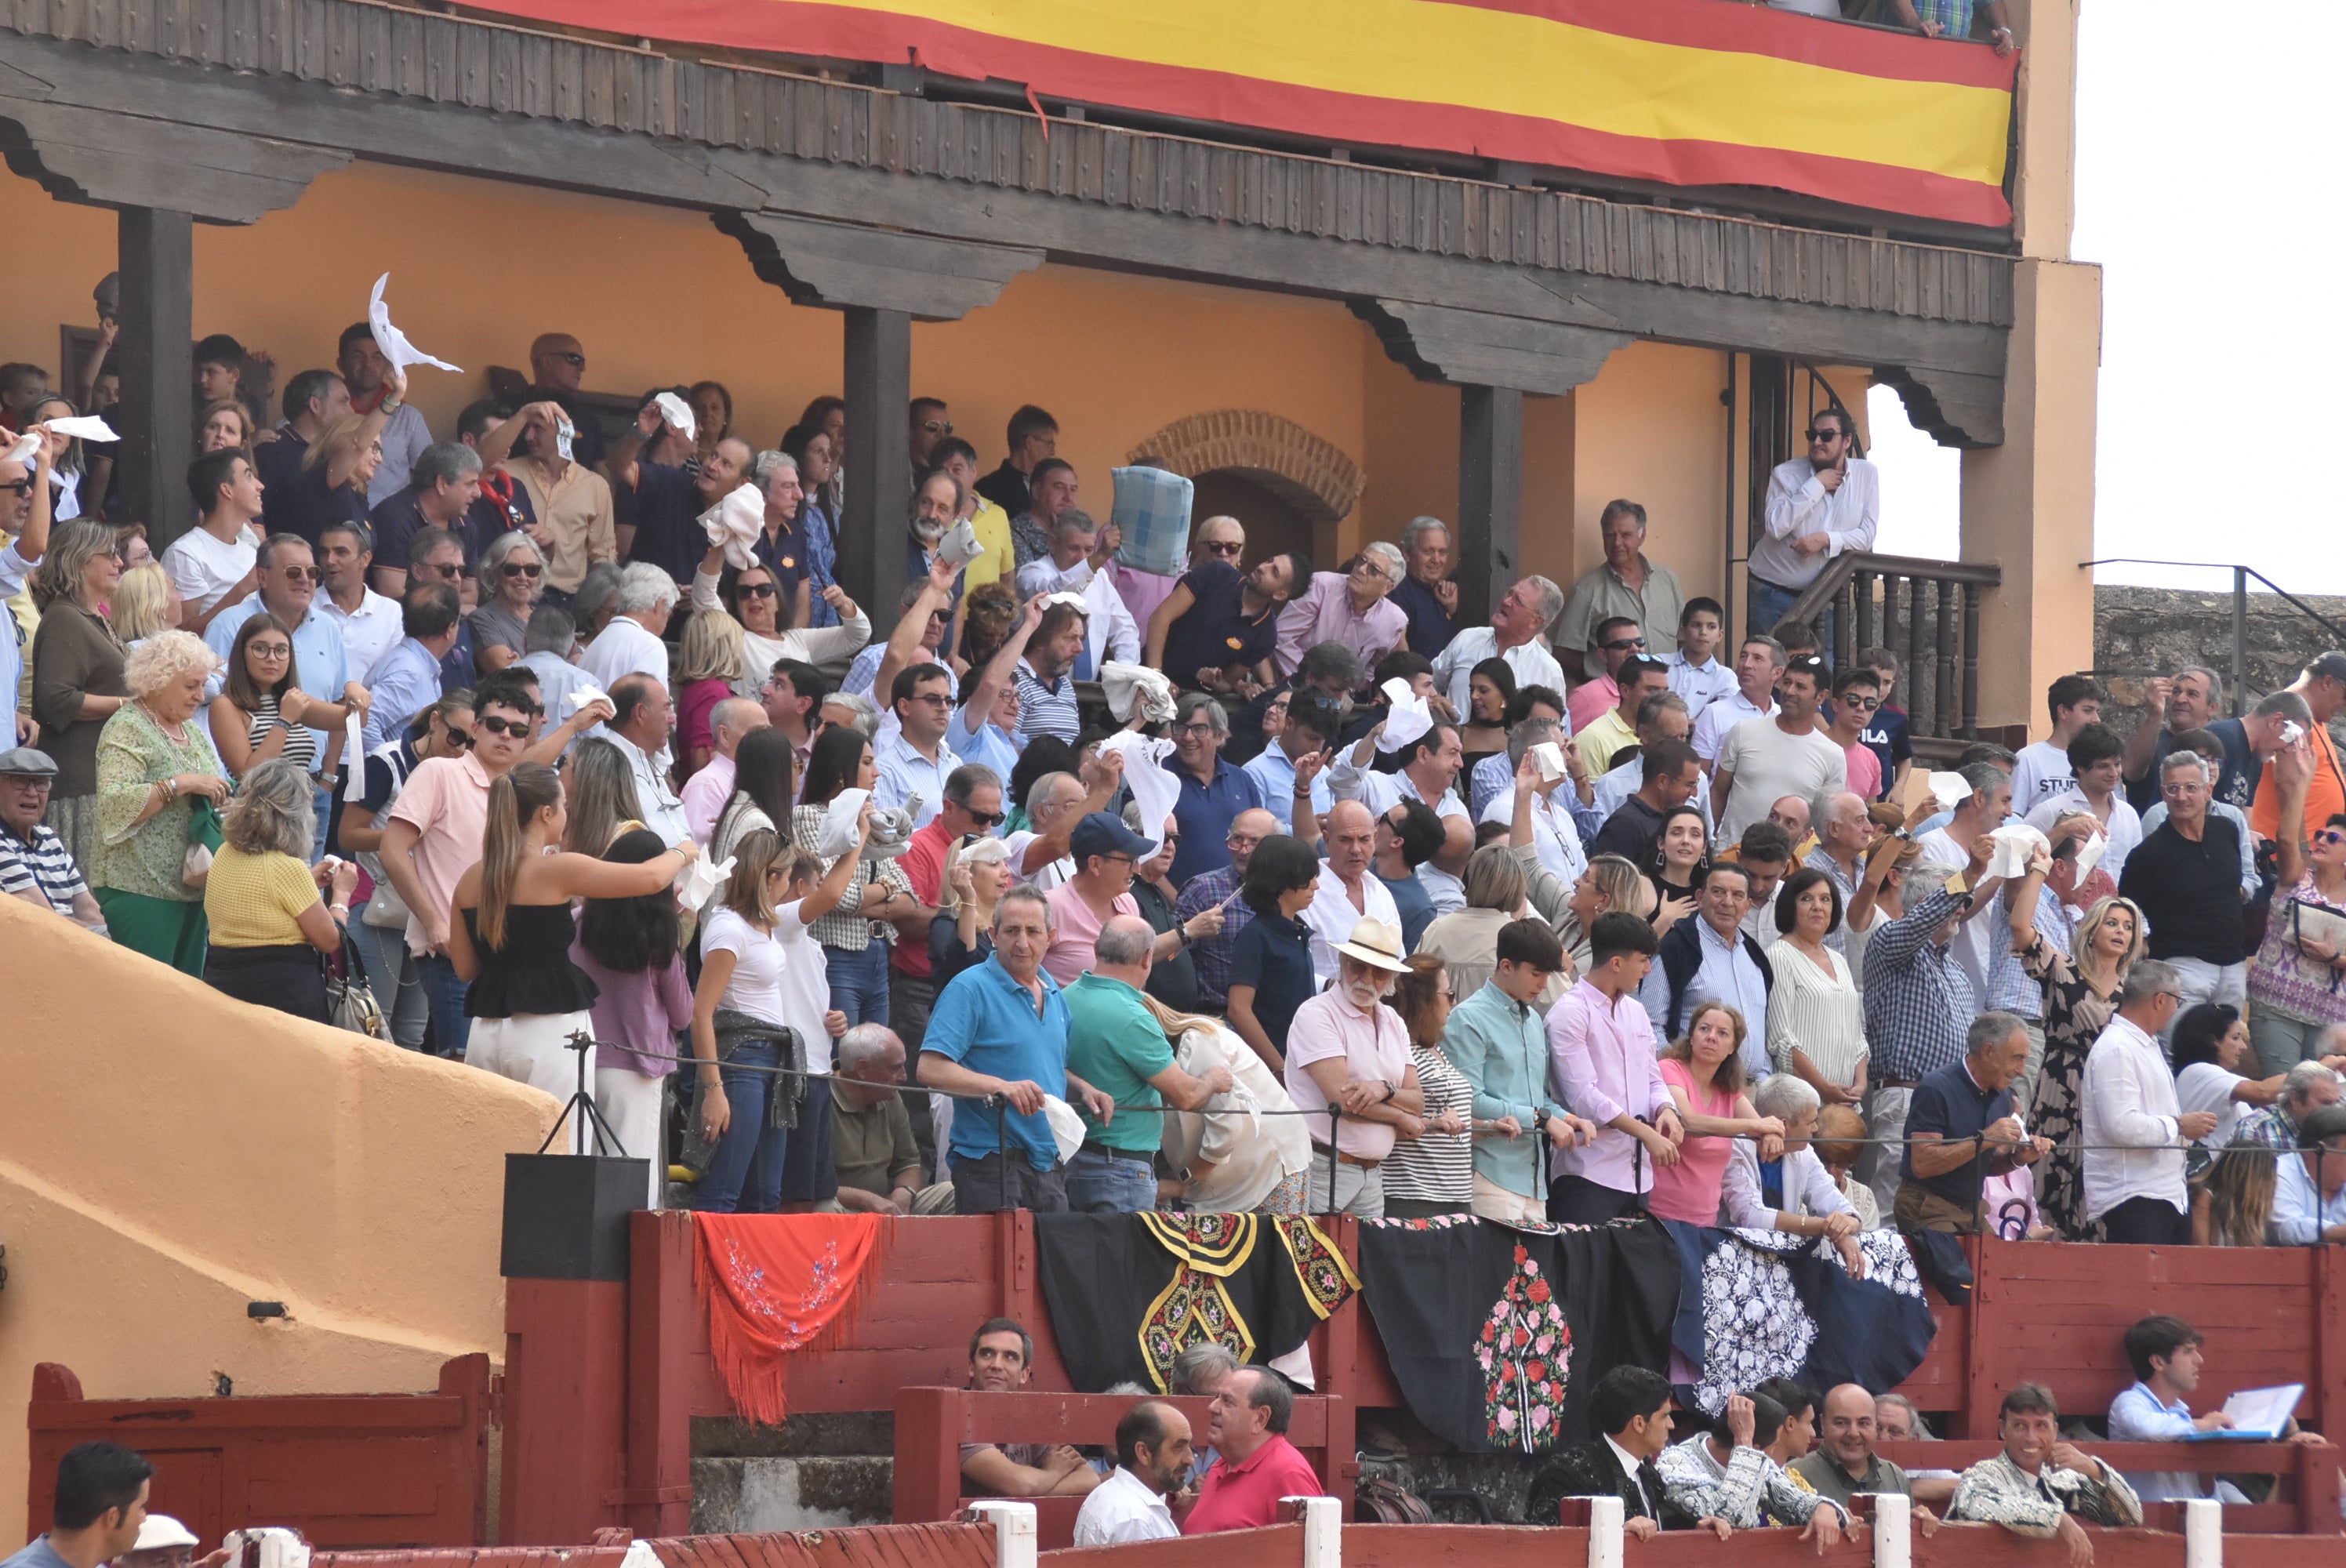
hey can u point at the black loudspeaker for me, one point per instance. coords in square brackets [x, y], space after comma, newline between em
[566, 1216]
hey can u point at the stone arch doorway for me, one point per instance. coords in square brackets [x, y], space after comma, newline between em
[1289, 487]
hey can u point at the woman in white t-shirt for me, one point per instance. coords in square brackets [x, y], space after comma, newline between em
[2207, 1047]
[761, 972]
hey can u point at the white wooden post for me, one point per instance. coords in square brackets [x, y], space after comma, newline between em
[2203, 1533]
[1013, 1532]
[1324, 1531]
[1893, 1530]
[1606, 1518]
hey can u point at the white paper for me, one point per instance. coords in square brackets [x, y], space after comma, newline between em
[698, 880]
[2016, 844]
[1949, 790]
[1549, 756]
[83, 427]
[1154, 789]
[565, 433]
[2262, 1412]
[22, 451]
[353, 759]
[678, 413]
[390, 340]
[735, 523]
[2090, 853]
[1066, 1126]
[1409, 717]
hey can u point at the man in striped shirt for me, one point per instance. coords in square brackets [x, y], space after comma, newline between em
[35, 864]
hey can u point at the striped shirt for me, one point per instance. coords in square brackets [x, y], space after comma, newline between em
[43, 864]
[1047, 709]
[842, 928]
[1435, 1167]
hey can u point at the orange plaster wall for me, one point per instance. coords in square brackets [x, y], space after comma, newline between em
[1650, 429]
[167, 1155]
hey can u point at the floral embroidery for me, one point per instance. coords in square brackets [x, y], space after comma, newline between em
[1327, 1279]
[1196, 1309]
[1753, 1325]
[1525, 1354]
[792, 1317]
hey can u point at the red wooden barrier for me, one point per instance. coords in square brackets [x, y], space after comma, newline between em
[345, 1469]
[2310, 1471]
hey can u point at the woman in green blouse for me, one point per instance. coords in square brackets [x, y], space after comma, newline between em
[153, 760]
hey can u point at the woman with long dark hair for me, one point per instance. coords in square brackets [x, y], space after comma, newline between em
[262, 713]
[1678, 860]
[633, 950]
[764, 791]
[1489, 693]
[855, 934]
[817, 457]
[511, 939]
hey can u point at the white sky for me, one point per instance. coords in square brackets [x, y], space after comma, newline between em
[2201, 142]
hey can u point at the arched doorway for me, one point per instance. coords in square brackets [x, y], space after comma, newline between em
[1289, 487]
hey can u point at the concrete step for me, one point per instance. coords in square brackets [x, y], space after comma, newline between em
[807, 1491]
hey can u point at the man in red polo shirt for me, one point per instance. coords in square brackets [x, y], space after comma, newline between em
[1257, 1465]
[972, 805]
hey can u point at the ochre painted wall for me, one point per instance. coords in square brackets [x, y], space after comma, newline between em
[1651, 429]
[167, 1155]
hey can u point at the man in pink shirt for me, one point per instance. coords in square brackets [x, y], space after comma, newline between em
[434, 834]
[1600, 1047]
[1105, 853]
[1346, 1048]
[1619, 640]
[1856, 696]
[704, 793]
[1349, 607]
[1258, 1466]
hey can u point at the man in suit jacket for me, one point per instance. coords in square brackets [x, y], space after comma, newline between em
[1631, 1406]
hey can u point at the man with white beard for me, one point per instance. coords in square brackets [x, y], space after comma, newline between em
[1346, 1048]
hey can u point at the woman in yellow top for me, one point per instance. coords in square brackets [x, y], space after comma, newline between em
[262, 900]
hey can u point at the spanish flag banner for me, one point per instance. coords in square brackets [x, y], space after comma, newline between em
[1685, 91]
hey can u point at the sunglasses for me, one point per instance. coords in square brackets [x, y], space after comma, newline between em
[460, 738]
[936, 699]
[1827, 434]
[757, 590]
[1623, 645]
[2329, 835]
[1171, 839]
[1860, 703]
[987, 819]
[19, 486]
[1224, 547]
[517, 727]
[937, 426]
[522, 570]
[576, 361]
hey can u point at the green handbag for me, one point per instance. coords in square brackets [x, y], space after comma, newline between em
[204, 837]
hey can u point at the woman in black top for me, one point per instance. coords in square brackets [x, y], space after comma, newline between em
[1680, 857]
[1271, 963]
[510, 942]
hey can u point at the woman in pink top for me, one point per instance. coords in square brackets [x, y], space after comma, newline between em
[1704, 1070]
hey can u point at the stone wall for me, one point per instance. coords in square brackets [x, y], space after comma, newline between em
[2139, 632]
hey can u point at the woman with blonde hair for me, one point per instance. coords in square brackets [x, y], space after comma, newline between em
[1467, 940]
[707, 668]
[1704, 1070]
[225, 426]
[602, 797]
[510, 940]
[337, 467]
[144, 603]
[268, 921]
[1434, 1173]
[154, 761]
[261, 713]
[1245, 1152]
[77, 663]
[2234, 1209]
[2081, 991]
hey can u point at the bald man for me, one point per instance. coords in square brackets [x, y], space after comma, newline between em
[1350, 889]
[559, 365]
[711, 785]
[1843, 1462]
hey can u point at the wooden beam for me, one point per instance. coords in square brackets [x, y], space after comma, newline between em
[112, 159]
[1476, 348]
[872, 536]
[1958, 407]
[819, 262]
[157, 357]
[1490, 498]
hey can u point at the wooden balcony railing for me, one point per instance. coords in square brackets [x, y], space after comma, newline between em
[1927, 613]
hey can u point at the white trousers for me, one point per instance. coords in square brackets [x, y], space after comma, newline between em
[535, 1049]
[631, 1104]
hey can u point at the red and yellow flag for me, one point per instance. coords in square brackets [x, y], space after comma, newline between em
[1687, 92]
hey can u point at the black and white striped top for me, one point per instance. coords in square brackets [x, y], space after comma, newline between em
[300, 742]
[1435, 1167]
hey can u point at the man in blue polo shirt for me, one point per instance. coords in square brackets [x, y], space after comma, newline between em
[1001, 1029]
[1962, 1129]
[1216, 630]
[1213, 790]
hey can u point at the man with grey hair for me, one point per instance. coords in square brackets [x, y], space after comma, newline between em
[547, 649]
[1919, 1001]
[1961, 1129]
[631, 644]
[1625, 585]
[439, 493]
[1556, 834]
[1350, 606]
[1844, 831]
[1055, 802]
[796, 543]
[2306, 1087]
[872, 1144]
[1425, 594]
[1513, 635]
[2186, 876]
[1214, 790]
[1332, 670]
[2174, 706]
[1116, 1044]
[1080, 552]
[2135, 1128]
[1896, 1419]
[711, 785]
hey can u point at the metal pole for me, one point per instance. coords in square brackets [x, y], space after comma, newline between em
[2239, 641]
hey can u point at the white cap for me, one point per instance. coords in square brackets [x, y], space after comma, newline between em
[161, 1531]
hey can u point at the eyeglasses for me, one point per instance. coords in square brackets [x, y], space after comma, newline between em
[19, 486]
[936, 699]
[1197, 731]
[757, 590]
[1623, 645]
[1827, 434]
[268, 650]
[522, 570]
[937, 426]
[1225, 547]
[517, 727]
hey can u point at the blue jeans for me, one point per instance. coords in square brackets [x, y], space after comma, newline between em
[859, 982]
[391, 971]
[1110, 1183]
[1771, 604]
[745, 1174]
[444, 994]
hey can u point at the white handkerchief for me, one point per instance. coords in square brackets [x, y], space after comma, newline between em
[1154, 789]
[1949, 790]
[698, 880]
[959, 548]
[678, 413]
[2090, 853]
[839, 824]
[735, 523]
[1067, 1125]
[1408, 719]
[22, 451]
[1549, 756]
[1128, 684]
[1082, 606]
[2015, 845]
[85, 427]
[581, 696]
[353, 759]
[390, 340]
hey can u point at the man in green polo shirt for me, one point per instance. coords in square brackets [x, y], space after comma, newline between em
[1116, 1044]
[1843, 1462]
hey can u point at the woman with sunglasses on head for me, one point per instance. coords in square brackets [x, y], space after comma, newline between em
[380, 930]
[261, 713]
[856, 933]
[2295, 994]
[510, 572]
[1431, 1173]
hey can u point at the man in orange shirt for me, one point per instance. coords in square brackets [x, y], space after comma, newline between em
[2323, 687]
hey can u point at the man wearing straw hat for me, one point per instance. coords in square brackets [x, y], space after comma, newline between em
[1348, 1051]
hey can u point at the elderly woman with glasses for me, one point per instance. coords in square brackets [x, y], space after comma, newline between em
[510, 572]
[154, 761]
[77, 664]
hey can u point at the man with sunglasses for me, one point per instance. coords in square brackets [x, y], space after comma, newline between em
[1618, 640]
[368, 621]
[1624, 585]
[1856, 696]
[558, 363]
[930, 422]
[441, 488]
[1818, 506]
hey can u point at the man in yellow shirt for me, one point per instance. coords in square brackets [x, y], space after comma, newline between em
[1639, 677]
[999, 563]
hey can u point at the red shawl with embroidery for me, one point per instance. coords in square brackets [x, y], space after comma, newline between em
[777, 1283]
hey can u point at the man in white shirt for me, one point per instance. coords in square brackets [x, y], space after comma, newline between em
[1430, 767]
[369, 621]
[631, 644]
[1513, 635]
[2134, 1129]
[24, 516]
[1554, 834]
[1757, 666]
[916, 759]
[1696, 672]
[2096, 756]
[704, 793]
[546, 647]
[1152, 1461]
[1818, 506]
[1981, 813]
[1080, 552]
[1763, 759]
[2309, 1188]
[1349, 890]
[641, 720]
[2044, 770]
[214, 563]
